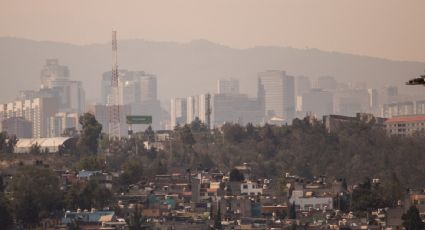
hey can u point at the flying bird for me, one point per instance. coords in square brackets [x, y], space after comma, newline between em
[417, 81]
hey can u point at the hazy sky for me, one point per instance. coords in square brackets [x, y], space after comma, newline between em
[381, 28]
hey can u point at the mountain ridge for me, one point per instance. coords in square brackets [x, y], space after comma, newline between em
[185, 69]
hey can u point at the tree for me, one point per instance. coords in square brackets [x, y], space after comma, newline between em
[233, 132]
[186, 136]
[11, 143]
[35, 149]
[412, 220]
[2, 186]
[3, 142]
[89, 195]
[217, 220]
[91, 163]
[36, 194]
[367, 196]
[7, 143]
[197, 125]
[90, 133]
[344, 184]
[149, 134]
[6, 218]
[393, 191]
[292, 211]
[236, 175]
[133, 171]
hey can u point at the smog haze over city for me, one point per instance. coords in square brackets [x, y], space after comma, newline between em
[212, 114]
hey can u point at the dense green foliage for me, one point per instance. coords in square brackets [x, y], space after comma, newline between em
[6, 218]
[412, 220]
[90, 133]
[87, 195]
[36, 195]
[7, 143]
[236, 175]
[355, 151]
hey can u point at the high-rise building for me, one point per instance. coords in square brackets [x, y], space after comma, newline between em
[228, 86]
[101, 112]
[148, 87]
[137, 90]
[373, 100]
[178, 112]
[276, 93]
[134, 86]
[53, 72]
[351, 101]
[55, 82]
[199, 106]
[326, 83]
[318, 102]
[17, 126]
[235, 108]
[37, 111]
[302, 85]
[391, 94]
[60, 122]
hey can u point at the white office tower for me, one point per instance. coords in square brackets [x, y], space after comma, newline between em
[374, 101]
[199, 106]
[276, 93]
[55, 82]
[228, 86]
[178, 110]
[318, 102]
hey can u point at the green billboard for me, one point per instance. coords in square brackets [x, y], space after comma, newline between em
[139, 119]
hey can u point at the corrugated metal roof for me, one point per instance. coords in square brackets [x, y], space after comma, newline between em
[50, 144]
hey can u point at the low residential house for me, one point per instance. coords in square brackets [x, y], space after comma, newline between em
[104, 178]
[89, 220]
[309, 200]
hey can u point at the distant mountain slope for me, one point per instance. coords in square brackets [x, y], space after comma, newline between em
[190, 68]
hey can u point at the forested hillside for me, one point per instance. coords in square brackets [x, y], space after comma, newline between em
[354, 152]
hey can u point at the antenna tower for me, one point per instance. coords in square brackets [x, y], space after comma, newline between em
[114, 109]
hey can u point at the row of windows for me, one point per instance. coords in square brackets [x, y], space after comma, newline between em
[407, 124]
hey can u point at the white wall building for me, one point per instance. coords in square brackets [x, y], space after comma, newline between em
[306, 200]
[251, 188]
[178, 110]
[37, 110]
[198, 107]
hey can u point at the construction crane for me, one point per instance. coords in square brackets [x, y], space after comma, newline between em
[114, 108]
[417, 81]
